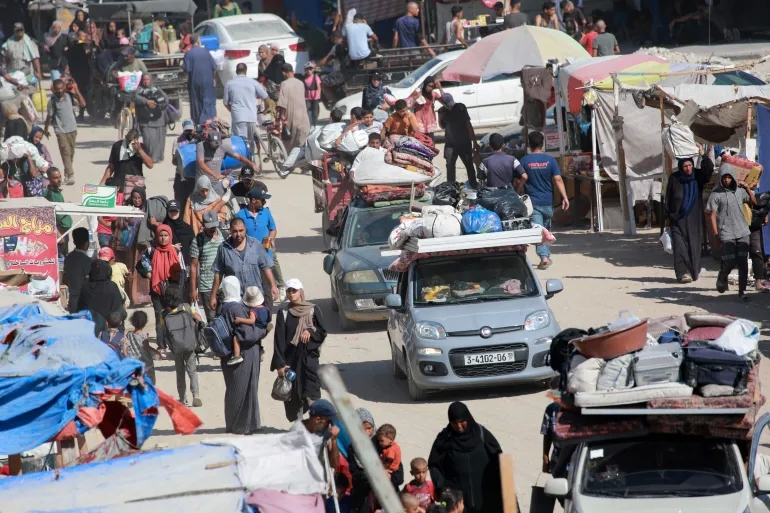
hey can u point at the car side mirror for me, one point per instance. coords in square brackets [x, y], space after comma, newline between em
[393, 301]
[328, 264]
[763, 485]
[553, 287]
[557, 487]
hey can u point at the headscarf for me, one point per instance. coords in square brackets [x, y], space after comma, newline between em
[50, 37]
[101, 294]
[32, 133]
[466, 441]
[82, 25]
[197, 200]
[11, 111]
[303, 311]
[689, 186]
[366, 416]
[231, 288]
[164, 261]
[182, 233]
[372, 96]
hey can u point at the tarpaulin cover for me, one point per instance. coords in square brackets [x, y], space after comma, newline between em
[763, 147]
[143, 9]
[52, 367]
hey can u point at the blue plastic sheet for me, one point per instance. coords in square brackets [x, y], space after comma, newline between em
[53, 367]
[188, 156]
[480, 220]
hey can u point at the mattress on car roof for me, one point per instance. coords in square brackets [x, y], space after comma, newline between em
[632, 395]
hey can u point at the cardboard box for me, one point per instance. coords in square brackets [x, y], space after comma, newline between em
[99, 196]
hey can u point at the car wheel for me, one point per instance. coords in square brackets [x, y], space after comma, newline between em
[415, 393]
[345, 323]
[398, 373]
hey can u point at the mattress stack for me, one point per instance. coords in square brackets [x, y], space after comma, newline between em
[414, 154]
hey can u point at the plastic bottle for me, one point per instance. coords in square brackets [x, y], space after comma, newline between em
[291, 375]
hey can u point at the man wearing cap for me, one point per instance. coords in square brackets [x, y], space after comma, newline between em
[203, 253]
[291, 108]
[322, 430]
[129, 62]
[241, 97]
[246, 183]
[245, 258]
[460, 138]
[183, 187]
[20, 53]
[200, 66]
[128, 157]
[212, 151]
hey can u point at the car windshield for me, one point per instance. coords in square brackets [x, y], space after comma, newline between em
[370, 227]
[266, 30]
[740, 78]
[417, 75]
[475, 278]
[661, 467]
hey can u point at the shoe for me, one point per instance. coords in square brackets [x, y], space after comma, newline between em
[235, 360]
[70, 180]
[184, 401]
[197, 403]
[686, 278]
[282, 294]
[744, 298]
[721, 283]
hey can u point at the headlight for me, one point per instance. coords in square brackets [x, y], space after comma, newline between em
[430, 330]
[361, 277]
[537, 320]
[429, 351]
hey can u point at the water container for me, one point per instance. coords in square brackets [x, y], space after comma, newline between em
[624, 320]
[210, 42]
[187, 154]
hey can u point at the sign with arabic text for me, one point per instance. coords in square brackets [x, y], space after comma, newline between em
[29, 244]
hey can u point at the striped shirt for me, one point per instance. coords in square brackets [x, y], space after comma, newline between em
[205, 256]
[246, 265]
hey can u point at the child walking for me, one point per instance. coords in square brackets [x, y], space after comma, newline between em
[113, 335]
[312, 93]
[180, 330]
[259, 317]
[136, 345]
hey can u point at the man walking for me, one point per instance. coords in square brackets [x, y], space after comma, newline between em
[291, 108]
[501, 169]
[460, 138]
[407, 33]
[241, 99]
[77, 265]
[542, 173]
[200, 66]
[245, 258]
[61, 111]
[203, 253]
[604, 42]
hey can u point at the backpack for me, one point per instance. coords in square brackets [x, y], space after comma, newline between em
[181, 330]
[560, 350]
[219, 337]
[113, 344]
[143, 41]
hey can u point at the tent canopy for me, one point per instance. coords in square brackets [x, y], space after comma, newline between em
[142, 9]
[71, 209]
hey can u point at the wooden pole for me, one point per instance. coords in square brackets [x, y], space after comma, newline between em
[597, 182]
[508, 484]
[629, 227]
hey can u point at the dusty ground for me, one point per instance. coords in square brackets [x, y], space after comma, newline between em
[602, 274]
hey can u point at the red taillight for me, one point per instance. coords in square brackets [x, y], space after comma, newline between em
[298, 47]
[236, 54]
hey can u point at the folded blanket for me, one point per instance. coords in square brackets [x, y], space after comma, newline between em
[416, 153]
[403, 160]
[399, 141]
[377, 193]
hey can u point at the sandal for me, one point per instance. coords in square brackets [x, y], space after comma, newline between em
[542, 266]
[686, 278]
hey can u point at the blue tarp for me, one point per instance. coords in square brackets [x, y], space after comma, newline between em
[763, 146]
[54, 366]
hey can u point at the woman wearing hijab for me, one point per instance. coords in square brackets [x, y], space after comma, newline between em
[182, 234]
[684, 214]
[373, 98]
[56, 46]
[100, 295]
[203, 199]
[80, 20]
[299, 333]
[151, 103]
[36, 138]
[94, 34]
[110, 39]
[166, 265]
[421, 101]
[465, 457]
[242, 380]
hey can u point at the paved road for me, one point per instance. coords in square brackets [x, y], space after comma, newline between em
[602, 274]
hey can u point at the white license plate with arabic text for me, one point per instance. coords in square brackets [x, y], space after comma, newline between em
[487, 358]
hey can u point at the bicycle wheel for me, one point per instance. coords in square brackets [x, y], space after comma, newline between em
[277, 154]
[125, 122]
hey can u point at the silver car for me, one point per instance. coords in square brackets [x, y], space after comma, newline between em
[471, 321]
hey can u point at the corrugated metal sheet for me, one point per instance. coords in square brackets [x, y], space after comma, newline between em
[376, 10]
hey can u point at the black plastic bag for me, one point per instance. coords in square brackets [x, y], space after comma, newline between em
[447, 193]
[282, 389]
[503, 201]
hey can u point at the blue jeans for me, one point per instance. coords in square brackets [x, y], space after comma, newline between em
[542, 215]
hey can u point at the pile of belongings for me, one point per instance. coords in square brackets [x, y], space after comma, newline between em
[388, 174]
[508, 208]
[695, 361]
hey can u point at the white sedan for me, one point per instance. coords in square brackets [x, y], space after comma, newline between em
[240, 37]
[493, 102]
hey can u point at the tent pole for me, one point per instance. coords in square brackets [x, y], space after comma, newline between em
[666, 159]
[629, 227]
[597, 178]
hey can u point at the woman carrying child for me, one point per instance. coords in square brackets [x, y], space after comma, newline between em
[241, 372]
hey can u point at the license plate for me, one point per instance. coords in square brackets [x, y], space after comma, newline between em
[485, 358]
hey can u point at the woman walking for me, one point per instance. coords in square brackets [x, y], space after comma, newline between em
[684, 214]
[151, 103]
[204, 199]
[100, 295]
[56, 46]
[465, 457]
[241, 380]
[422, 102]
[299, 333]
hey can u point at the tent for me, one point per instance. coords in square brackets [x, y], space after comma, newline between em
[142, 9]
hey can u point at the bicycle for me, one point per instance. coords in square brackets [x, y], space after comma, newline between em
[127, 116]
[270, 147]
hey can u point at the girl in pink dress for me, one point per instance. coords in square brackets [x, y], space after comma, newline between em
[421, 101]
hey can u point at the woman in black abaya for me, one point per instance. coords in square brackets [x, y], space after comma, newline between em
[684, 213]
[465, 457]
[100, 295]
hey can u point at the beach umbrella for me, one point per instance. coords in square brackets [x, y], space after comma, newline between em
[511, 50]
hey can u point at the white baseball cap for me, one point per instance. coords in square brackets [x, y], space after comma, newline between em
[294, 283]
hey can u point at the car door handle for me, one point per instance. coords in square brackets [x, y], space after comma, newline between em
[469, 92]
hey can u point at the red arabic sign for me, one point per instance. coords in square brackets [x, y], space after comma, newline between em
[29, 243]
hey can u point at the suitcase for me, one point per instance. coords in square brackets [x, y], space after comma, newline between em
[710, 366]
[658, 364]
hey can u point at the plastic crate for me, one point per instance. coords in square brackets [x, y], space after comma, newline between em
[520, 223]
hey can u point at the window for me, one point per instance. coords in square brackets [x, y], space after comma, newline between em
[266, 30]
[502, 77]
[417, 75]
[371, 226]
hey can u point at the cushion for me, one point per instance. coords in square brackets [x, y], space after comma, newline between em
[584, 374]
[703, 333]
[632, 395]
[696, 319]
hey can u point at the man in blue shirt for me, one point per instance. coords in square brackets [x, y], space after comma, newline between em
[258, 220]
[359, 34]
[542, 173]
[407, 33]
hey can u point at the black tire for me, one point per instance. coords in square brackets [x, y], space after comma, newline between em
[277, 154]
[325, 224]
[398, 372]
[345, 323]
[415, 393]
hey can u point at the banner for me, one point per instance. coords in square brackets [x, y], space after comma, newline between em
[763, 147]
[29, 244]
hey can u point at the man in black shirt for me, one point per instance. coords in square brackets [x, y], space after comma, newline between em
[77, 265]
[501, 169]
[242, 188]
[460, 139]
[127, 157]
